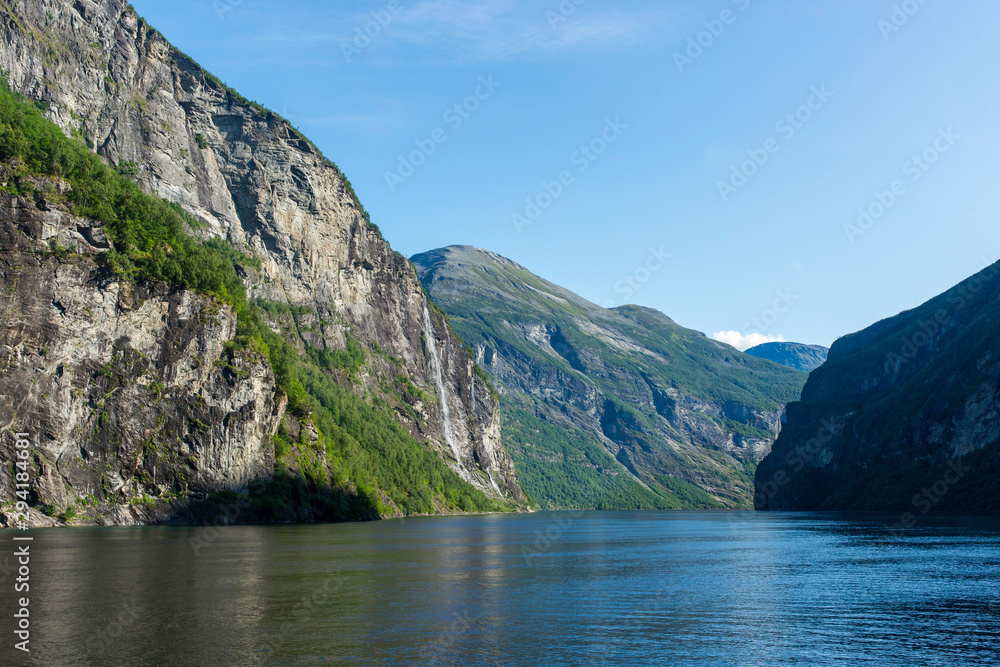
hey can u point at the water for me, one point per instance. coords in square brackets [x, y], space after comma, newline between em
[446, 426]
[644, 588]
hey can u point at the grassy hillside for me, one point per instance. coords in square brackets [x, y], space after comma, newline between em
[563, 467]
[618, 407]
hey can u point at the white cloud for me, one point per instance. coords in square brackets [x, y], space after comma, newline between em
[447, 32]
[490, 30]
[744, 342]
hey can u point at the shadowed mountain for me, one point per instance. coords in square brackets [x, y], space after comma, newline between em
[904, 415]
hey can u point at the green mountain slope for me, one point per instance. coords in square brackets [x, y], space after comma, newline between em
[617, 408]
[904, 415]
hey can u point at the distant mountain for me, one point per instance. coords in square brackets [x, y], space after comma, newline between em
[904, 415]
[794, 355]
[617, 408]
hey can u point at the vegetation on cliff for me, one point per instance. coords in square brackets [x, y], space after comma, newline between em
[594, 398]
[362, 461]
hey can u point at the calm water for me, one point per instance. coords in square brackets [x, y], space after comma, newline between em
[549, 589]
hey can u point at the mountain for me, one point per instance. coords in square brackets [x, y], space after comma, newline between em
[618, 408]
[801, 357]
[903, 416]
[210, 326]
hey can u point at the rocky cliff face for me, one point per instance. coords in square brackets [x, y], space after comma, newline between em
[125, 390]
[610, 408]
[107, 77]
[904, 415]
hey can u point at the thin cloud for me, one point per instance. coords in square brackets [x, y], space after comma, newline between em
[467, 31]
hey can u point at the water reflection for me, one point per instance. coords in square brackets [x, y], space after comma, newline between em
[609, 588]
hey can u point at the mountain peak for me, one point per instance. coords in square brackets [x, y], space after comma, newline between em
[463, 254]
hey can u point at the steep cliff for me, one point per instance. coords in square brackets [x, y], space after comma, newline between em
[322, 273]
[904, 415]
[616, 408]
[126, 390]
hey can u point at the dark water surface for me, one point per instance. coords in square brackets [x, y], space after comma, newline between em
[642, 588]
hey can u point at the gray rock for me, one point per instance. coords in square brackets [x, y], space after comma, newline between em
[107, 76]
[125, 390]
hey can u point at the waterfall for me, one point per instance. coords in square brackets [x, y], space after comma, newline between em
[494, 483]
[473, 392]
[449, 434]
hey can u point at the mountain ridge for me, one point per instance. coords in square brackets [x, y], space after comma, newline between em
[799, 356]
[624, 392]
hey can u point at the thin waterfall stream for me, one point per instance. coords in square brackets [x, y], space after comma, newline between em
[446, 425]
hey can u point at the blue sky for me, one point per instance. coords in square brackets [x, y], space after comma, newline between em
[596, 142]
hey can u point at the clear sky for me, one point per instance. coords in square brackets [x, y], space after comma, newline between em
[667, 98]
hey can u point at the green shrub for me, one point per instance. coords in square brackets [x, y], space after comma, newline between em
[350, 359]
